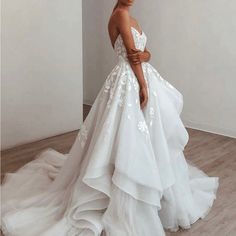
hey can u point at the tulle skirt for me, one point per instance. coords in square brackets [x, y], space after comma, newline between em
[125, 175]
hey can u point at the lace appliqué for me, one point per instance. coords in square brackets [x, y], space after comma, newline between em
[83, 135]
[139, 40]
[118, 85]
[109, 86]
[151, 114]
[120, 48]
[154, 93]
[143, 127]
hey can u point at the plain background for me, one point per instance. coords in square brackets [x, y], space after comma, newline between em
[42, 91]
[193, 47]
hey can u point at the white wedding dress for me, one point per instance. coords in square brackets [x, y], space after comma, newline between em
[125, 174]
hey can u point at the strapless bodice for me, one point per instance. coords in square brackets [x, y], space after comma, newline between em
[140, 40]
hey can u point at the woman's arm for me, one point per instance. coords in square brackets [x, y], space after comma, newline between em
[138, 56]
[123, 24]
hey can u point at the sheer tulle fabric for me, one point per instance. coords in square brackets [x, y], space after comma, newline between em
[125, 174]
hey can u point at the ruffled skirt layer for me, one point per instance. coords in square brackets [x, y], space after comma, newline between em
[125, 173]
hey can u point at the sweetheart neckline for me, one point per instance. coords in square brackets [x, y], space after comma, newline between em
[140, 34]
[137, 31]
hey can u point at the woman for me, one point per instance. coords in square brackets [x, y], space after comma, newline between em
[126, 173]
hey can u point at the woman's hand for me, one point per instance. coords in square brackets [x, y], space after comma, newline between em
[135, 56]
[143, 95]
[138, 56]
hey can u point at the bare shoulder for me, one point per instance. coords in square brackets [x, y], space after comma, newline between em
[119, 20]
[121, 15]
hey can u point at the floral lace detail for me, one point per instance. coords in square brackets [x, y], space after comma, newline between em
[112, 89]
[111, 79]
[83, 135]
[126, 82]
[120, 48]
[154, 93]
[139, 40]
[143, 127]
[151, 114]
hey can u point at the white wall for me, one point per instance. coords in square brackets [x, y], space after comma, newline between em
[98, 55]
[41, 69]
[92, 51]
[193, 47]
[195, 50]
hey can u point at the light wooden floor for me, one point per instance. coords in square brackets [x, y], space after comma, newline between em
[214, 154]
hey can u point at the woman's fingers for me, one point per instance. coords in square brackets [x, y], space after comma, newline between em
[133, 56]
[143, 97]
[144, 102]
[135, 59]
